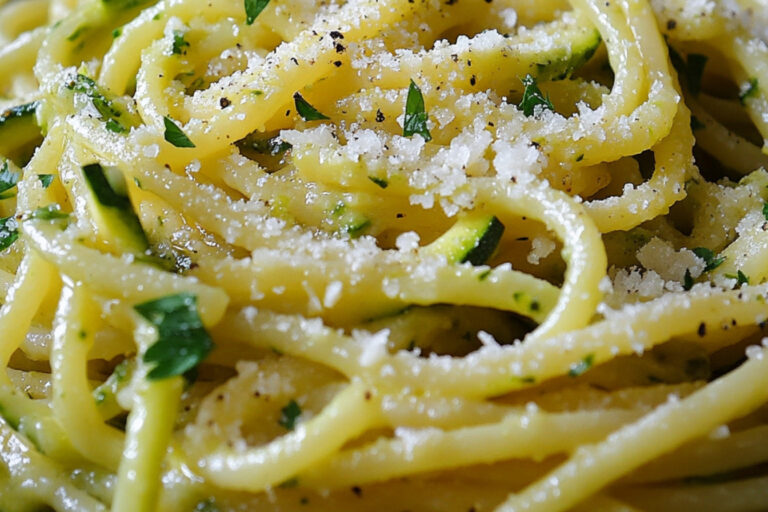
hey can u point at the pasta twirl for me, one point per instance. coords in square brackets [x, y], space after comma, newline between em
[383, 255]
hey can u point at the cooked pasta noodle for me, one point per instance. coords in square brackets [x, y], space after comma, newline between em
[383, 255]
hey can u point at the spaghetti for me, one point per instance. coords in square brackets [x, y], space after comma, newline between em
[383, 255]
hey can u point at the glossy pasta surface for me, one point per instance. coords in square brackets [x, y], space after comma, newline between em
[383, 255]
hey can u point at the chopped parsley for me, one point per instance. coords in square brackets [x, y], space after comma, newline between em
[740, 278]
[253, 8]
[289, 414]
[765, 210]
[9, 232]
[106, 108]
[45, 179]
[174, 135]
[8, 180]
[692, 70]
[307, 111]
[748, 90]
[710, 261]
[532, 97]
[179, 43]
[582, 366]
[182, 341]
[687, 280]
[379, 181]
[415, 114]
[266, 146]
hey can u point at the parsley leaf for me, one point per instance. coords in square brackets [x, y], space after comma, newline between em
[289, 414]
[179, 43]
[710, 261]
[687, 280]
[106, 108]
[8, 180]
[307, 111]
[748, 90]
[740, 278]
[182, 342]
[266, 146]
[532, 96]
[253, 8]
[582, 366]
[45, 179]
[692, 70]
[379, 181]
[415, 114]
[765, 210]
[175, 136]
[9, 232]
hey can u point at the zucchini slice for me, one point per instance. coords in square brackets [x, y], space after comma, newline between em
[111, 210]
[472, 239]
[18, 127]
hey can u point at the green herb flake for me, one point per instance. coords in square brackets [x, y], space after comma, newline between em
[106, 108]
[307, 111]
[289, 414]
[748, 90]
[182, 342]
[710, 261]
[45, 179]
[174, 135]
[253, 8]
[415, 114]
[50, 212]
[765, 210]
[179, 43]
[687, 280]
[740, 278]
[117, 33]
[9, 232]
[582, 366]
[379, 181]
[8, 180]
[691, 71]
[532, 97]
[272, 146]
[484, 275]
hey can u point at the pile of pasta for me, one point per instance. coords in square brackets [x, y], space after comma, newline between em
[368, 255]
